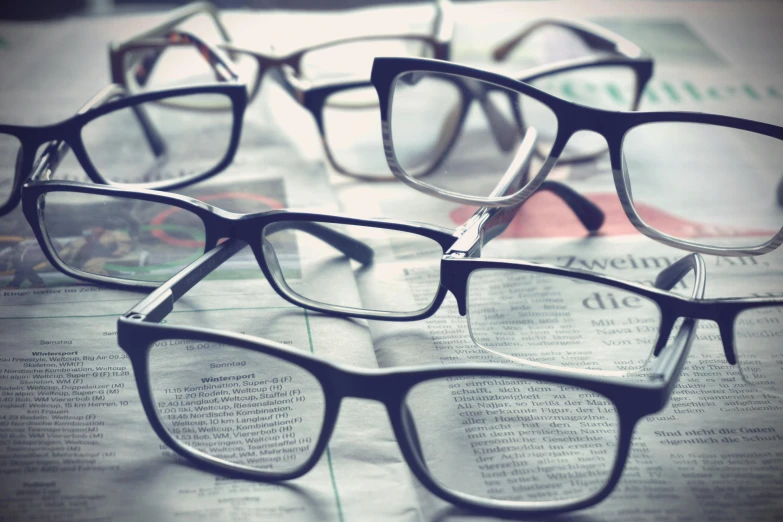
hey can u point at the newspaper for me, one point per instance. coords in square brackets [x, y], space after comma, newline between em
[87, 452]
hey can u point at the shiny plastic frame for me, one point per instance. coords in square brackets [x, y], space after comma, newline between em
[220, 224]
[571, 118]
[137, 331]
[109, 99]
[616, 52]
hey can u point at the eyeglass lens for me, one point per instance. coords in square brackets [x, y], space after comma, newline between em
[757, 333]
[561, 322]
[678, 174]
[440, 126]
[120, 237]
[312, 269]
[491, 438]
[193, 142]
[243, 407]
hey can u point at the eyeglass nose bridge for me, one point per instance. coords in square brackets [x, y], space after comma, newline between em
[358, 385]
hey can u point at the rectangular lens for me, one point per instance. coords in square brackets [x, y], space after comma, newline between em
[353, 59]
[465, 135]
[352, 130]
[712, 185]
[123, 238]
[160, 140]
[758, 337]
[10, 149]
[241, 406]
[514, 440]
[356, 267]
[560, 322]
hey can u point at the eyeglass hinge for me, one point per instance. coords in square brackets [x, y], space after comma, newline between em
[152, 310]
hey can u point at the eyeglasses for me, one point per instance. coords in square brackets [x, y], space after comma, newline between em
[135, 238]
[256, 409]
[459, 133]
[151, 61]
[658, 158]
[140, 140]
[373, 269]
[346, 111]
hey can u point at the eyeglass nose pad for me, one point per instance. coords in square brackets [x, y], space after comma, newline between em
[270, 258]
[18, 167]
[626, 180]
[413, 433]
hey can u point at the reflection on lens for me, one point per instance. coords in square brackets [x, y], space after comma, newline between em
[354, 59]
[515, 440]
[120, 237]
[243, 407]
[10, 148]
[708, 184]
[560, 322]
[352, 129]
[758, 337]
[466, 134]
[153, 141]
[547, 44]
[610, 88]
[351, 266]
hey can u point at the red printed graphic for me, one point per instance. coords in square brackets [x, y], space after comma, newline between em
[546, 215]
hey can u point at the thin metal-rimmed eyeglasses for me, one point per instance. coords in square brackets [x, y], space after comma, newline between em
[677, 173]
[137, 140]
[256, 409]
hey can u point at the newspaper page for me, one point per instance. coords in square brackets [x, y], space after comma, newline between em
[714, 452]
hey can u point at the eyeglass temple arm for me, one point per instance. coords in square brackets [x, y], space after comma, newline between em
[669, 277]
[589, 214]
[593, 35]
[159, 303]
[215, 58]
[671, 358]
[443, 23]
[156, 306]
[47, 163]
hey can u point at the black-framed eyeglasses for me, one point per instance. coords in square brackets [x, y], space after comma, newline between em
[276, 407]
[140, 140]
[466, 133]
[655, 156]
[338, 265]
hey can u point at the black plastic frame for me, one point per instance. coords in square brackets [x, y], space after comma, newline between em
[137, 332]
[69, 132]
[620, 53]
[571, 118]
[484, 225]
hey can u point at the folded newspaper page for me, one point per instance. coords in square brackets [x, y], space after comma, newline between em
[75, 442]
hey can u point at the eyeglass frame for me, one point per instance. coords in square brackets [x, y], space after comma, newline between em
[137, 331]
[68, 132]
[219, 224]
[313, 96]
[572, 118]
[439, 40]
